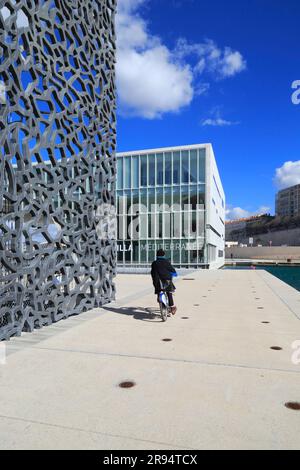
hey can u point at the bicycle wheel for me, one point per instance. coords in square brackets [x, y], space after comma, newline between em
[163, 311]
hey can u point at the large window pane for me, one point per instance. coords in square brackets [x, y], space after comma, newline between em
[176, 198]
[201, 196]
[120, 173]
[143, 229]
[121, 203]
[151, 225]
[167, 248]
[193, 197]
[151, 200]
[201, 256]
[176, 168]
[184, 254]
[160, 169]
[184, 196]
[201, 167]
[176, 224]
[193, 166]
[120, 253]
[167, 224]
[168, 168]
[151, 162]
[135, 252]
[121, 227]
[160, 225]
[127, 254]
[168, 196]
[135, 198]
[135, 172]
[144, 200]
[194, 257]
[144, 178]
[144, 251]
[201, 223]
[185, 167]
[185, 224]
[176, 251]
[194, 223]
[127, 199]
[159, 196]
[151, 252]
[127, 172]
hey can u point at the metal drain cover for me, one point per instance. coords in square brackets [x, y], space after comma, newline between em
[293, 406]
[127, 384]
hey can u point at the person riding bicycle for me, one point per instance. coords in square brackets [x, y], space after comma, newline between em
[162, 273]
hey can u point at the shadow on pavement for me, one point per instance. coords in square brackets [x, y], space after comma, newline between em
[138, 313]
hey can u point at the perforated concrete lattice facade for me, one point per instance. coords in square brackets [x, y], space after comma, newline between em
[57, 150]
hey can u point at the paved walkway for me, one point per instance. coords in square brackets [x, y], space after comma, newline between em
[216, 385]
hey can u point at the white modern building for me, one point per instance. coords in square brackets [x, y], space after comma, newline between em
[170, 198]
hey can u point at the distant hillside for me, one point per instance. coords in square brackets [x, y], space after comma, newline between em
[265, 225]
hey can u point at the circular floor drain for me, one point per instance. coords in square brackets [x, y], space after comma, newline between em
[167, 340]
[127, 384]
[260, 308]
[293, 406]
[266, 322]
[196, 305]
[276, 348]
[184, 318]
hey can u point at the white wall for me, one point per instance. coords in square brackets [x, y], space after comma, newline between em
[215, 211]
[266, 253]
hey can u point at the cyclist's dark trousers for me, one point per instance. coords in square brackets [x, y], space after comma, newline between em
[170, 299]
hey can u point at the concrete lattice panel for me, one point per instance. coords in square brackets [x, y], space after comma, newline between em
[57, 168]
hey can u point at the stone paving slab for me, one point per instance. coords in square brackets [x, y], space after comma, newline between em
[216, 385]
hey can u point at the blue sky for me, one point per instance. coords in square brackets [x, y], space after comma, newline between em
[193, 71]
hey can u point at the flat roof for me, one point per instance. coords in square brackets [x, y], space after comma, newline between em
[163, 149]
[290, 188]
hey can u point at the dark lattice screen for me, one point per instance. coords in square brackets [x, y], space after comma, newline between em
[57, 168]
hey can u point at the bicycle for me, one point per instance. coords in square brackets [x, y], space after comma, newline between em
[165, 309]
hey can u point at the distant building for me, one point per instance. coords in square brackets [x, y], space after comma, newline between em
[170, 198]
[288, 202]
[232, 227]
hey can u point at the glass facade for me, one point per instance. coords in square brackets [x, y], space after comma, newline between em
[161, 204]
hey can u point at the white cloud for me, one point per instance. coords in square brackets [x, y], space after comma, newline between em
[235, 213]
[152, 84]
[152, 79]
[216, 120]
[211, 59]
[287, 175]
[232, 63]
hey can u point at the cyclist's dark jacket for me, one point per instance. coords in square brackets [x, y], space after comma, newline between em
[161, 270]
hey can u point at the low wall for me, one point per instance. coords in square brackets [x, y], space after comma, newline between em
[280, 253]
